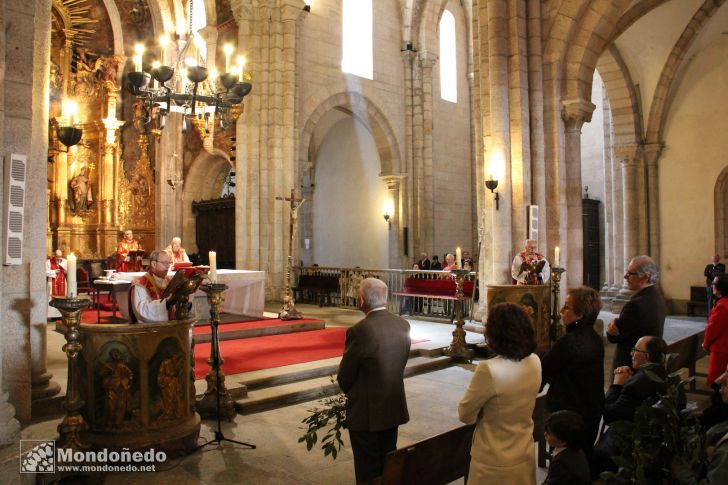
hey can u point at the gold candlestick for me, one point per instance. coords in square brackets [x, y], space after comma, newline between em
[73, 423]
[556, 329]
[458, 348]
[216, 394]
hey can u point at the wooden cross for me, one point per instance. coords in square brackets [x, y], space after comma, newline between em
[295, 203]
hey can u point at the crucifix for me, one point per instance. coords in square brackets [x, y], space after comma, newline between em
[289, 311]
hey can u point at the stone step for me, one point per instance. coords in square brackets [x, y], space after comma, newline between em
[262, 331]
[265, 398]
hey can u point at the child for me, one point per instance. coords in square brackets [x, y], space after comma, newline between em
[568, 462]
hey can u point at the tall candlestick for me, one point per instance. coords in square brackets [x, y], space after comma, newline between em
[556, 256]
[458, 257]
[213, 267]
[71, 289]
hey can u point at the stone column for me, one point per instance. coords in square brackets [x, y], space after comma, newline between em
[396, 258]
[652, 152]
[266, 136]
[574, 113]
[627, 155]
[608, 199]
[498, 146]
[427, 61]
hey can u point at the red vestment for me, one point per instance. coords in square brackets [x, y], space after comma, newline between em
[59, 282]
[122, 251]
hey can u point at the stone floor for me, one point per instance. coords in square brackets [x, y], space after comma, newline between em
[279, 458]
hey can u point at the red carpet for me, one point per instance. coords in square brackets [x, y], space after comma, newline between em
[251, 354]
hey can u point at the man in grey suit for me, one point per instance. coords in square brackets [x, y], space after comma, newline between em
[644, 314]
[371, 373]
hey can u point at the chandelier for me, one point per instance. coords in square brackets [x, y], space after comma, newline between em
[189, 88]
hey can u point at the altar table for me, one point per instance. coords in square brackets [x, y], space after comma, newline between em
[245, 294]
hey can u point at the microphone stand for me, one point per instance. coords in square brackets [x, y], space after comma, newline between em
[214, 297]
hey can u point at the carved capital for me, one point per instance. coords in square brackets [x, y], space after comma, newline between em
[393, 181]
[292, 9]
[627, 154]
[427, 59]
[575, 112]
[209, 34]
[652, 152]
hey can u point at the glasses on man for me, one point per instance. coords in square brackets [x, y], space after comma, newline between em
[163, 263]
[632, 273]
[634, 349]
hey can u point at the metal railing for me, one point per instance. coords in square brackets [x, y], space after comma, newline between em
[351, 278]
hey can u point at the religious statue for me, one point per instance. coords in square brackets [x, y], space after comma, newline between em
[116, 382]
[170, 405]
[81, 191]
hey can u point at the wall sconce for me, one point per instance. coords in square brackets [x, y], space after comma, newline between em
[307, 7]
[492, 185]
[69, 135]
[387, 216]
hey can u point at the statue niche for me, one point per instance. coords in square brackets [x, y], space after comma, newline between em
[80, 189]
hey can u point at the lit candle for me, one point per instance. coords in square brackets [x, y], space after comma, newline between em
[72, 108]
[213, 267]
[228, 51]
[241, 65]
[163, 41]
[139, 50]
[556, 256]
[71, 288]
[458, 257]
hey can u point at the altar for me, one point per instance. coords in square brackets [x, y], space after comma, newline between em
[245, 294]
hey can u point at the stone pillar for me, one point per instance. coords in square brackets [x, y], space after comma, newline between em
[574, 113]
[627, 155]
[427, 61]
[498, 146]
[396, 255]
[608, 199]
[652, 152]
[266, 136]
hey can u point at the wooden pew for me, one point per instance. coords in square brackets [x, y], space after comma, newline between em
[322, 286]
[445, 457]
[688, 349]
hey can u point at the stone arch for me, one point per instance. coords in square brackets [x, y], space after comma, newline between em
[116, 28]
[623, 100]
[365, 111]
[663, 95]
[429, 20]
[720, 211]
[201, 182]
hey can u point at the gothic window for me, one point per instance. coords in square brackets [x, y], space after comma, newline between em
[356, 38]
[448, 59]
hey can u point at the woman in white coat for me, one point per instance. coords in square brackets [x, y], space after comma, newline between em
[500, 401]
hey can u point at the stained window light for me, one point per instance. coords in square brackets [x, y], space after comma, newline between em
[448, 58]
[357, 54]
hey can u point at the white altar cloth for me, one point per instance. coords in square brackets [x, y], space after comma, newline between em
[245, 294]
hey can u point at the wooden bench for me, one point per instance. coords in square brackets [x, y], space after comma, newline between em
[689, 350]
[322, 286]
[443, 289]
[445, 457]
[698, 301]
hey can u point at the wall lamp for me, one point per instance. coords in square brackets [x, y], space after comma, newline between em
[387, 217]
[307, 7]
[492, 185]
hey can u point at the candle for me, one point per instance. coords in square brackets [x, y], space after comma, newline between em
[139, 50]
[163, 41]
[556, 256]
[71, 288]
[241, 65]
[228, 51]
[213, 267]
[458, 257]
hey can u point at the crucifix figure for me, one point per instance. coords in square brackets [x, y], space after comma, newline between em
[289, 311]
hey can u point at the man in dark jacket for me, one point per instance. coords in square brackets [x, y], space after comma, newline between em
[711, 271]
[371, 373]
[632, 386]
[644, 314]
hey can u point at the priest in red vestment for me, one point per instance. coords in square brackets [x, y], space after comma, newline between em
[176, 252]
[145, 295]
[123, 263]
[56, 269]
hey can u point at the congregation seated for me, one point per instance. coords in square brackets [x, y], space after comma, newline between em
[631, 387]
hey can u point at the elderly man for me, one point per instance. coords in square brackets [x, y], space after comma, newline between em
[371, 373]
[644, 314]
[145, 295]
[424, 262]
[176, 252]
[529, 266]
[631, 387]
